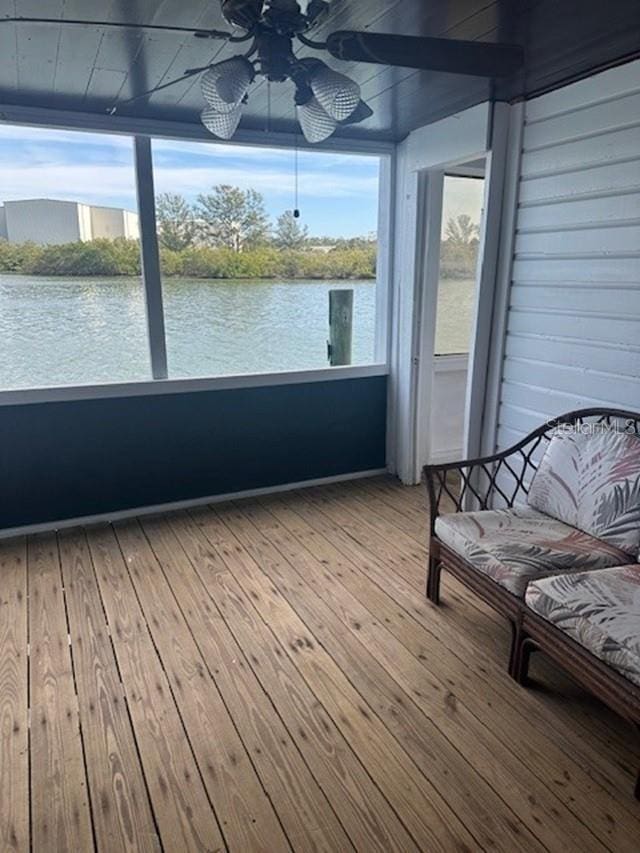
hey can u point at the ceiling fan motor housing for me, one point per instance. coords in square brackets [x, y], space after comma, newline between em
[275, 53]
[284, 16]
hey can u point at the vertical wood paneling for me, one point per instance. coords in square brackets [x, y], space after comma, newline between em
[573, 323]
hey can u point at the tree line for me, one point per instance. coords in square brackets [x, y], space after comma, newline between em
[225, 218]
[236, 220]
[227, 233]
[122, 257]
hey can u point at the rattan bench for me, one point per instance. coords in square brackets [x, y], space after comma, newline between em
[488, 514]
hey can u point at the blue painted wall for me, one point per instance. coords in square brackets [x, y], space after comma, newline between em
[84, 457]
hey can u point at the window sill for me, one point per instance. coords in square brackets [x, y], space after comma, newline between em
[63, 393]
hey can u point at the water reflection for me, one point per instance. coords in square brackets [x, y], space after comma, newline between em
[68, 330]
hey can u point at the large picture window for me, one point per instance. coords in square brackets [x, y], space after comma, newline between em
[71, 300]
[246, 282]
[252, 243]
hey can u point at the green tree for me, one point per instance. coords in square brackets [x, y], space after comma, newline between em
[176, 226]
[459, 250]
[289, 234]
[232, 218]
[461, 231]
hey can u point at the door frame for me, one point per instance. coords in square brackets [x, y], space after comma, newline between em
[426, 368]
[420, 203]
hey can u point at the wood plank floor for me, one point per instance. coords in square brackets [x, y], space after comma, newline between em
[267, 675]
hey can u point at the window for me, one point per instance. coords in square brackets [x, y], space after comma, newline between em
[71, 300]
[462, 201]
[245, 282]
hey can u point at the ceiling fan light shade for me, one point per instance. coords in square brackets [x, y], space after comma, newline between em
[317, 125]
[222, 125]
[242, 13]
[337, 94]
[361, 113]
[224, 85]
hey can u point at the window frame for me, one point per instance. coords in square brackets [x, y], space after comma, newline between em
[142, 132]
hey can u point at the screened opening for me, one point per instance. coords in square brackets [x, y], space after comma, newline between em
[72, 308]
[462, 200]
[246, 282]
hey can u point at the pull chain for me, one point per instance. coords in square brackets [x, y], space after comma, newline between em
[268, 106]
[296, 210]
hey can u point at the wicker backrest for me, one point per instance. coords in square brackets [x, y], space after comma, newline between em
[503, 479]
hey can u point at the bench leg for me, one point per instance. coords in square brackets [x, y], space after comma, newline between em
[514, 651]
[636, 790]
[521, 658]
[433, 579]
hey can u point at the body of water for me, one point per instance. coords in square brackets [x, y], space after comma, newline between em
[67, 331]
[454, 315]
[59, 331]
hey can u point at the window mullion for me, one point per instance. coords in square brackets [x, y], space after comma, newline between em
[150, 257]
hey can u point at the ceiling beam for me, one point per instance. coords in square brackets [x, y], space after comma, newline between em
[132, 126]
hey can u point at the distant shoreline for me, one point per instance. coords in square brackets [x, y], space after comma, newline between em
[121, 257]
[465, 276]
[136, 276]
[459, 276]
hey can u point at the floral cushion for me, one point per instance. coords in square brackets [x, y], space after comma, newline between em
[600, 610]
[514, 546]
[592, 481]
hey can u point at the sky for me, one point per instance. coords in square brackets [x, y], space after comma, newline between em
[337, 193]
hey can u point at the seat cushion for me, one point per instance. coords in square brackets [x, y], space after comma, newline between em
[515, 546]
[600, 610]
[591, 480]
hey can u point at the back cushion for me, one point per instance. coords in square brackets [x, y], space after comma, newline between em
[591, 480]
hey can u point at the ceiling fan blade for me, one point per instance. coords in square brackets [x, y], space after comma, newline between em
[74, 22]
[482, 59]
[191, 72]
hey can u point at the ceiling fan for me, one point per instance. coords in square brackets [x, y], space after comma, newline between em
[324, 98]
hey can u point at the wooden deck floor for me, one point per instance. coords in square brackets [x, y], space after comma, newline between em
[267, 675]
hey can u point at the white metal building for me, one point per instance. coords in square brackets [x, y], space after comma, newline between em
[53, 221]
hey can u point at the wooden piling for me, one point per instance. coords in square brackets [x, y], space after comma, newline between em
[340, 327]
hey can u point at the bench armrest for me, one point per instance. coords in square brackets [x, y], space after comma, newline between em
[500, 477]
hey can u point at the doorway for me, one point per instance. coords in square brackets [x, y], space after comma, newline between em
[452, 250]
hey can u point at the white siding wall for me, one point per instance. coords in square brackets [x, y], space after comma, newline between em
[573, 325]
